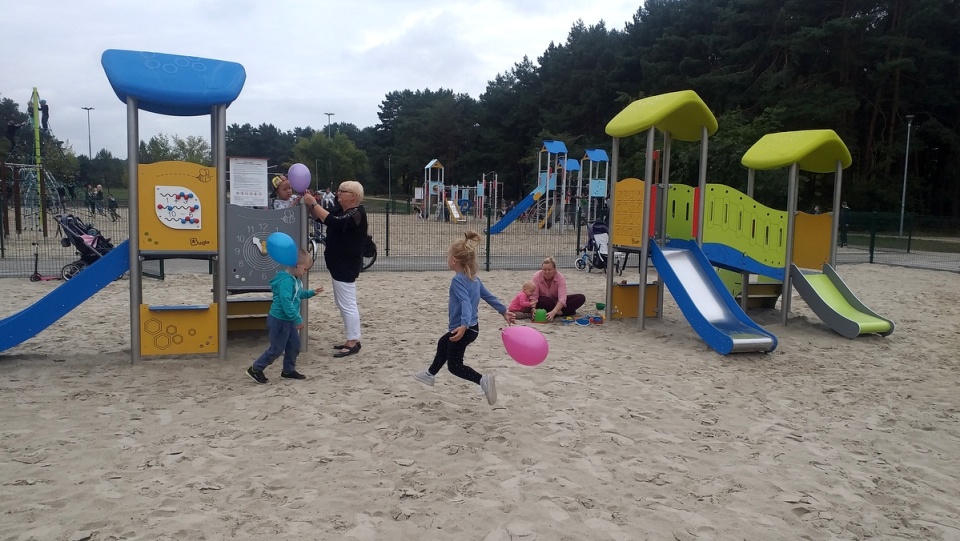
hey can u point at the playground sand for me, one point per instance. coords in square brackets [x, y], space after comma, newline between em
[619, 435]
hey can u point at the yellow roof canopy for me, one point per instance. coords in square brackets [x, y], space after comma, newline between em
[683, 114]
[816, 151]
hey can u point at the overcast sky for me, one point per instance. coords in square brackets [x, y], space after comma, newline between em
[302, 58]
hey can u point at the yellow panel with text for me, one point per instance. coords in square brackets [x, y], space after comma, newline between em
[178, 207]
[628, 213]
[173, 330]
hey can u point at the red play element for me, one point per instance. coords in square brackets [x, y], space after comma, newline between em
[653, 212]
[696, 212]
[160, 207]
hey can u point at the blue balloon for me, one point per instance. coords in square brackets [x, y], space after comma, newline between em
[282, 249]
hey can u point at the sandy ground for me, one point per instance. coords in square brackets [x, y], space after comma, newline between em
[619, 435]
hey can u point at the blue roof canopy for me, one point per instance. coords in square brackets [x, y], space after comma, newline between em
[570, 165]
[555, 147]
[174, 85]
[597, 155]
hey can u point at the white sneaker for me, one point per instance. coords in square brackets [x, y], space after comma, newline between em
[425, 377]
[489, 386]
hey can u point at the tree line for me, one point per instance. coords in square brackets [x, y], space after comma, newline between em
[859, 67]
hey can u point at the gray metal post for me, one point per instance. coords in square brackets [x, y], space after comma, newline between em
[219, 129]
[788, 258]
[611, 193]
[660, 217]
[744, 276]
[906, 162]
[837, 193]
[136, 282]
[645, 229]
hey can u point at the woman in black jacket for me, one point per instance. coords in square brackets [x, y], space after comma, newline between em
[346, 226]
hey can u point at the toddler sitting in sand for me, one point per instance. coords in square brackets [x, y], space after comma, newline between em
[522, 304]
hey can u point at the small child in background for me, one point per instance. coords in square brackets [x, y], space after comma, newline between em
[283, 193]
[463, 305]
[284, 320]
[112, 206]
[522, 304]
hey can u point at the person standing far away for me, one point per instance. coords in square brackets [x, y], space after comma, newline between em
[44, 116]
[346, 226]
[463, 306]
[844, 222]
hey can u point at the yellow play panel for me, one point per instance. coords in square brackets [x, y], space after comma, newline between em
[172, 330]
[626, 300]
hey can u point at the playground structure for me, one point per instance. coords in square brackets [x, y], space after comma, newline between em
[592, 183]
[177, 211]
[685, 232]
[443, 202]
[541, 203]
[23, 189]
[34, 189]
[489, 193]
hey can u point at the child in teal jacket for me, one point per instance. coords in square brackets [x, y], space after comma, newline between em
[284, 321]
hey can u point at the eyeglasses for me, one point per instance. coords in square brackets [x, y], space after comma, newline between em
[344, 191]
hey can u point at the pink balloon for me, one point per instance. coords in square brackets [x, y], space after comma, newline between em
[526, 345]
[299, 177]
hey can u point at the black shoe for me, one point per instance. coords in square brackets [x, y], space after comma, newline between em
[257, 375]
[292, 375]
[344, 346]
[349, 351]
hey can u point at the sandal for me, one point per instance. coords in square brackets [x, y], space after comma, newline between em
[347, 351]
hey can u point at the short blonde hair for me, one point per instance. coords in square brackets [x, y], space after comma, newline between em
[303, 257]
[528, 285]
[550, 260]
[354, 187]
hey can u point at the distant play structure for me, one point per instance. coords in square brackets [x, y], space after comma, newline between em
[440, 202]
[593, 183]
[546, 203]
[685, 232]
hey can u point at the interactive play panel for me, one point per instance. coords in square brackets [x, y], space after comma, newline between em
[628, 209]
[181, 215]
[249, 268]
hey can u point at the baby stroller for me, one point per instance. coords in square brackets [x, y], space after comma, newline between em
[90, 245]
[594, 254]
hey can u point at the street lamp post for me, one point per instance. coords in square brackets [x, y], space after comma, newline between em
[89, 142]
[389, 198]
[328, 123]
[906, 163]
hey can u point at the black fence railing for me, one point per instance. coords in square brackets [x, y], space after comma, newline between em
[406, 242]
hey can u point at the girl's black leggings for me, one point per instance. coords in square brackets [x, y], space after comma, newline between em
[451, 354]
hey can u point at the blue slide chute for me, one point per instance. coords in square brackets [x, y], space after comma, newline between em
[516, 211]
[27, 323]
[712, 312]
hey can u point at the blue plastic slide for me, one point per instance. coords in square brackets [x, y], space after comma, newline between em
[705, 302]
[515, 213]
[27, 323]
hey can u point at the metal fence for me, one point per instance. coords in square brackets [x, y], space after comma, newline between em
[407, 243]
[928, 242]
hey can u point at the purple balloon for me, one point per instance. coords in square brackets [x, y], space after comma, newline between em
[299, 177]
